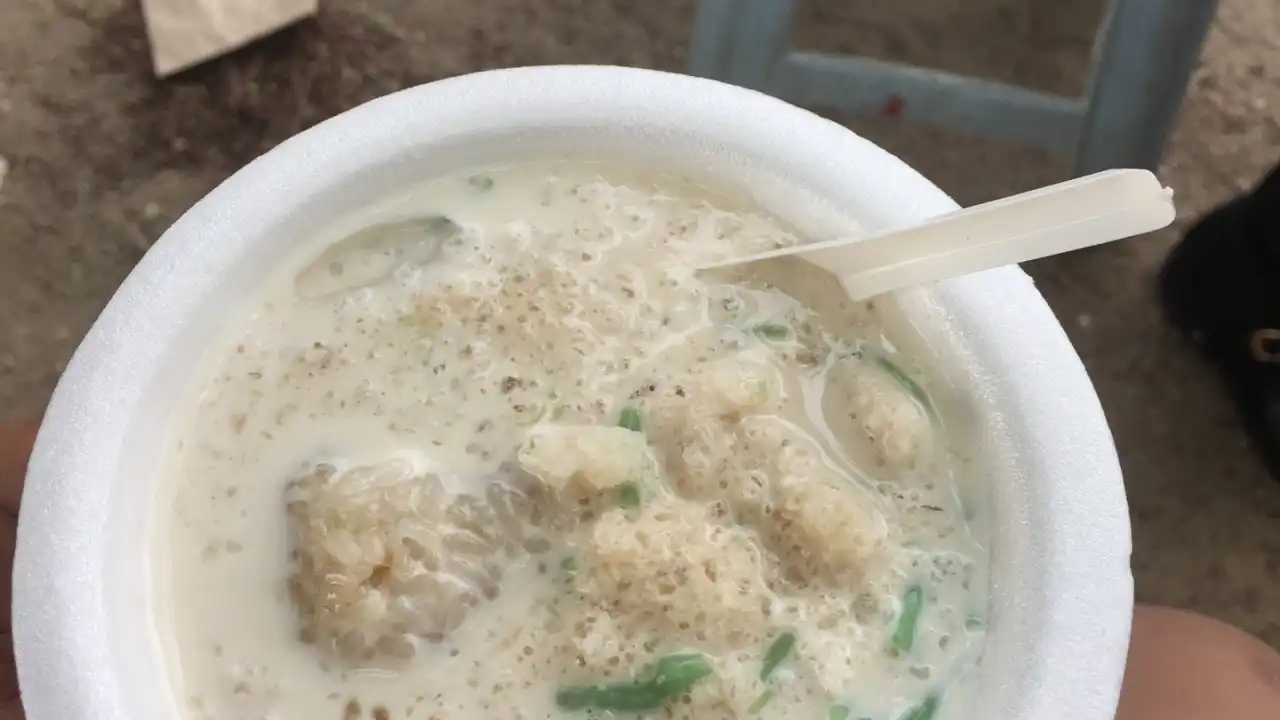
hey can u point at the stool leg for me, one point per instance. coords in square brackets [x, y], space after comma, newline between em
[761, 37]
[1142, 64]
[711, 46]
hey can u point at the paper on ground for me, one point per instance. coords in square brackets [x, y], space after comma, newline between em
[187, 32]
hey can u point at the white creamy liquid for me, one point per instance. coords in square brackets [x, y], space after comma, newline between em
[558, 296]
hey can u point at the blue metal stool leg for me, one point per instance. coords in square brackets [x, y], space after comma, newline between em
[712, 44]
[1142, 62]
[761, 38]
[1142, 65]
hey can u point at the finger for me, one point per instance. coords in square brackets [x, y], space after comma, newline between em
[16, 439]
[8, 542]
[8, 671]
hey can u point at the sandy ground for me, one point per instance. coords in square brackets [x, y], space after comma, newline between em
[102, 158]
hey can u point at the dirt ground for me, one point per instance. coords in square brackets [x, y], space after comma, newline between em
[101, 158]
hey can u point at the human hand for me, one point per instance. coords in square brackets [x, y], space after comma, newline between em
[16, 438]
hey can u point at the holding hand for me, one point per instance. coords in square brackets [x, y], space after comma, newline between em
[16, 439]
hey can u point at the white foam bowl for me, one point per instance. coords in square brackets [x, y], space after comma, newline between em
[1061, 596]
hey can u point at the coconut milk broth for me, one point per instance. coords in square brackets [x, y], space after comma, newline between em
[344, 377]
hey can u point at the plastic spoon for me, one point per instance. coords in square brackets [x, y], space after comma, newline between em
[1079, 213]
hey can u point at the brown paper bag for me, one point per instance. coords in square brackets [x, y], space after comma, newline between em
[187, 32]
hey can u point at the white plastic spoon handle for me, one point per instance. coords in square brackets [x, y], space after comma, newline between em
[1079, 213]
